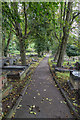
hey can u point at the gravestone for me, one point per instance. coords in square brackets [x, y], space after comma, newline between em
[77, 64]
[1, 63]
[75, 79]
[12, 62]
[5, 86]
[34, 60]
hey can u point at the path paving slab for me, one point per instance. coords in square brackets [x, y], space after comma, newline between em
[42, 99]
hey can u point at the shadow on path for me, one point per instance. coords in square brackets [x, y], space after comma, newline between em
[42, 98]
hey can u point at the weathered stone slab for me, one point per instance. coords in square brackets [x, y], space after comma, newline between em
[17, 73]
[9, 61]
[75, 79]
[14, 67]
[62, 69]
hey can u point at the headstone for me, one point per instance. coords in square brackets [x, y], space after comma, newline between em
[5, 64]
[4, 85]
[77, 64]
[71, 68]
[75, 79]
[73, 59]
[1, 64]
[11, 61]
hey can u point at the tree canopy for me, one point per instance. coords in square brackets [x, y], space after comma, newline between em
[47, 24]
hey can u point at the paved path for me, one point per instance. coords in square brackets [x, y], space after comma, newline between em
[43, 94]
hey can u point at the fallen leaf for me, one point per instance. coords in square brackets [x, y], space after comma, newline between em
[44, 89]
[43, 99]
[46, 98]
[50, 99]
[75, 104]
[64, 102]
[8, 106]
[49, 102]
[30, 108]
[20, 105]
[38, 93]
[31, 112]
[73, 98]
[60, 101]
[34, 113]
[33, 106]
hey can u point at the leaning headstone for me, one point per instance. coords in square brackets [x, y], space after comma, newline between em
[11, 61]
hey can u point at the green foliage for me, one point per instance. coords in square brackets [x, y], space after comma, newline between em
[44, 19]
[72, 50]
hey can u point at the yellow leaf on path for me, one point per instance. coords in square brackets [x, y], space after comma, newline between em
[38, 93]
[30, 108]
[49, 102]
[60, 101]
[31, 112]
[8, 106]
[34, 113]
[64, 102]
[44, 89]
[50, 99]
[73, 98]
[75, 104]
[46, 98]
[33, 106]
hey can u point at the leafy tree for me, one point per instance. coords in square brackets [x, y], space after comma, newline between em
[40, 27]
[72, 50]
[16, 14]
[67, 18]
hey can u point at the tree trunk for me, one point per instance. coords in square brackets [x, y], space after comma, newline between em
[57, 54]
[38, 53]
[62, 51]
[6, 48]
[66, 29]
[3, 44]
[22, 51]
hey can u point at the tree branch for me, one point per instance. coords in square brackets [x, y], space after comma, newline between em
[56, 35]
[25, 18]
[64, 11]
[74, 16]
[25, 37]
